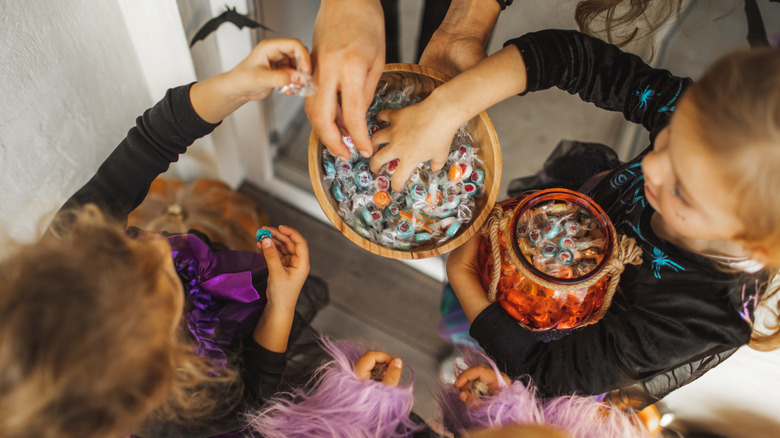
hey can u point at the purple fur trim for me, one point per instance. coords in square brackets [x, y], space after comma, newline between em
[514, 404]
[585, 418]
[518, 404]
[339, 405]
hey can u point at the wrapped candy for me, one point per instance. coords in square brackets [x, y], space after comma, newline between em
[433, 206]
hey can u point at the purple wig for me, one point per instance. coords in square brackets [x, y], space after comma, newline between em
[518, 404]
[339, 405]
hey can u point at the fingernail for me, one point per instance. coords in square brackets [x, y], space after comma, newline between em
[295, 77]
[267, 243]
[397, 362]
[365, 154]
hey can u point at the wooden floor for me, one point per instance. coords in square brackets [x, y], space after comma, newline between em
[382, 301]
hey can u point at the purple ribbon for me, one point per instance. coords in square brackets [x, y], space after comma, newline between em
[219, 289]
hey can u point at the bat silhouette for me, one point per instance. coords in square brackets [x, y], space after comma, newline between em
[229, 16]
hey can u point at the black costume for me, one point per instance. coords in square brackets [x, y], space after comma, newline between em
[121, 183]
[673, 317]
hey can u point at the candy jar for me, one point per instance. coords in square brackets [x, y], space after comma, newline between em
[552, 259]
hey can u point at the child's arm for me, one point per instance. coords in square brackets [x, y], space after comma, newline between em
[271, 64]
[434, 121]
[165, 131]
[463, 275]
[589, 67]
[287, 257]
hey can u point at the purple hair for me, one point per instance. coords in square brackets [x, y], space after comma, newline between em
[339, 404]
[517, 404]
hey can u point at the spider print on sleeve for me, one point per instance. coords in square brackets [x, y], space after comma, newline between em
[661, 260]
[645, 96]
[669, 107]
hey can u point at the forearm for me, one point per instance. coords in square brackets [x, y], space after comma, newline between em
[216, 98]
[471, 295]
[273, 328]
[491, 81]
[471, 17]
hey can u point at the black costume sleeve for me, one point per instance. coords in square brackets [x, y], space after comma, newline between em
[161, 134]
[263, 369]
[599, 73]
[668, 328]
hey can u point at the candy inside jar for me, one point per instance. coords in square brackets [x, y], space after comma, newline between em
[548, 259]
[431, 208]
[560, 239]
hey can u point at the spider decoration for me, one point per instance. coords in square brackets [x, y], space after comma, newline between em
[644, 97]
[660, 260]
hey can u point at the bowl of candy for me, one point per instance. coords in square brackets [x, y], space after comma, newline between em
[435, 212]
[552, 259]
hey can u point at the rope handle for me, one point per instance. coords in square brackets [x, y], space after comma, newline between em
[625, 250]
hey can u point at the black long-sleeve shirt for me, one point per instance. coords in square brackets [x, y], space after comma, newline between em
[676, 314]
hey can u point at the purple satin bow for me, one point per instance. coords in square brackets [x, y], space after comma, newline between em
[219, 289]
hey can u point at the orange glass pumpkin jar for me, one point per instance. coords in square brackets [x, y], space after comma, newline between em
[552, 259]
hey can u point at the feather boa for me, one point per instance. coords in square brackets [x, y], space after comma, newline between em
[339, 405]
[517, 404]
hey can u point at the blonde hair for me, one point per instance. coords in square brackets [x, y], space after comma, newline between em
[620, 17]
[738, 106]
[89, 338]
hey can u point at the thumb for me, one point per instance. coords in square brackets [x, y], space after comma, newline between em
[393, 374]
[271, 256]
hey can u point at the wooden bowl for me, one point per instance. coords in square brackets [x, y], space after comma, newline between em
[423, 80]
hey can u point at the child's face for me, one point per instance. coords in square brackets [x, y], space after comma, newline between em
[684, 183]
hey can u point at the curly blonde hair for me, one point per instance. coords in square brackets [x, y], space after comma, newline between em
[90, 343]
[624, 20]
[738, 106]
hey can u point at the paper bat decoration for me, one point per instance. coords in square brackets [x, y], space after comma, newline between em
[229, 16]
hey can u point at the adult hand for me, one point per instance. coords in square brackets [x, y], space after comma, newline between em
[482, 373]
[348, 54]
[287, 257]
[463, 273]
[416, 134]
[459, 42]
[372, 359]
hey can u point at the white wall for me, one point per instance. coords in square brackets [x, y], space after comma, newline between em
[74, 77]
[59, 118]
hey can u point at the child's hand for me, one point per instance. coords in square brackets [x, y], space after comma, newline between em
[272, 63]
[379, 360]
[463, 274]
[287, 257]
[417, 133]
[482, 373]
